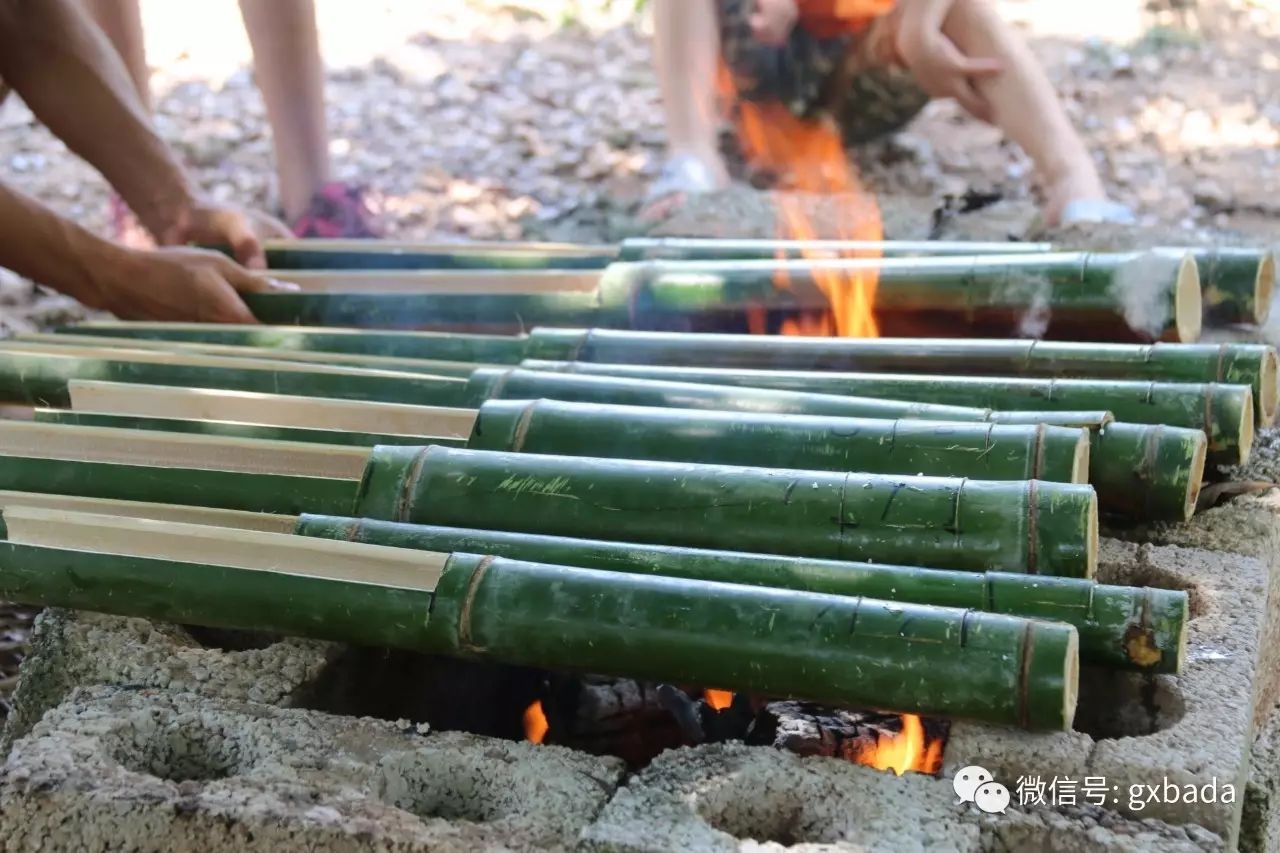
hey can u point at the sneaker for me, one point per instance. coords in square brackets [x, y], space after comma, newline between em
[337, 210]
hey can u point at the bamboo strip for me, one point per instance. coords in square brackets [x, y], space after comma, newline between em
[237, 429]
[39, 374]
[501, 349]
[174, 450]
[164, 401]
[375, 362]
[243, 549]
[493, 282]
[238, 519]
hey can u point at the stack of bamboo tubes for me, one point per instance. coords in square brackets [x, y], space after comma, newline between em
[902, 524]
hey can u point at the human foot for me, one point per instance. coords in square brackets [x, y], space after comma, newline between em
[681, 176]
[1080, 197]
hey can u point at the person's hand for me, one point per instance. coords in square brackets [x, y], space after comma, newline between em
[222, 225]
[772, 20]
[939, 66]
[180, 284]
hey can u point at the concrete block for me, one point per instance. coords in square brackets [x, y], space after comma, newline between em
[154, 770]
[730, 797]
[71, 649]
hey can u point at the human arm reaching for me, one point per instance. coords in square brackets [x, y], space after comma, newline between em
[66, 71]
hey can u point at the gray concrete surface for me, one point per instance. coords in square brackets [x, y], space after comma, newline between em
[153, 770]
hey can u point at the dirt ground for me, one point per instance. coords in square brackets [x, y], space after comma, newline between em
[540, 118]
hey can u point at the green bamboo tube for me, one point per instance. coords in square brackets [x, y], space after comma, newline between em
[1139, 471]
[767, 641]
[239, 430]
[193, 593]
[1224, 412]
[981, 451]
[241, 490]
[1149, 295]
[1139, 628]
[433, 367]
[39, 375]
[1238, 285]
[495, 384]
[313, 254]
[1032, 526]
[442, 346]
[847, 651]
[1147, 472]
[439, 310]
[1228, 364]
[707, 249]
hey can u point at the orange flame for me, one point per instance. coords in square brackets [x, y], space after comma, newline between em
[809, 156]
[717, 699]
[535, 723]
[906, 750]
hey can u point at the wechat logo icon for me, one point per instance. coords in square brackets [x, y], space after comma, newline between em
[974, 784]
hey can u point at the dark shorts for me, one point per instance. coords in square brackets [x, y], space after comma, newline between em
[811, 75]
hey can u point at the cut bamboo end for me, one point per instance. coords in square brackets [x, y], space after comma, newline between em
[1246, 428]
[209, 516]
[282, 410]
[1183, 637]
[1080, 462]
[1268, 392]
[1195, 477]
[175, 450]
[1092, 539]
[1264, 287]
[254, 550]
[1188, 301]
[1071, 676]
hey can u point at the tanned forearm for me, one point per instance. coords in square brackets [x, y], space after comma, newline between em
[73, 80]
[39, 244]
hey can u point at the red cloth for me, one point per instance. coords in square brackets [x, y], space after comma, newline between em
[831, 18]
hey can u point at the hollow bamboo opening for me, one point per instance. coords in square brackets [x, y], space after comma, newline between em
[282, 410]
[1188, 301]
[1264, 287]
[254, 550]
[1195, 477]
[177, 450]
[1268, 391]
[209, 516]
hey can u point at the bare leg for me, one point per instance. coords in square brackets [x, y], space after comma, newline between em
[686, 52]
[121, 20]
[290, 73]
[1025, 105]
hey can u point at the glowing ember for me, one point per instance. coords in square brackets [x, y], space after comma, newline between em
[718, 699]
[535, 723]
[904, 751]
[808, 156]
